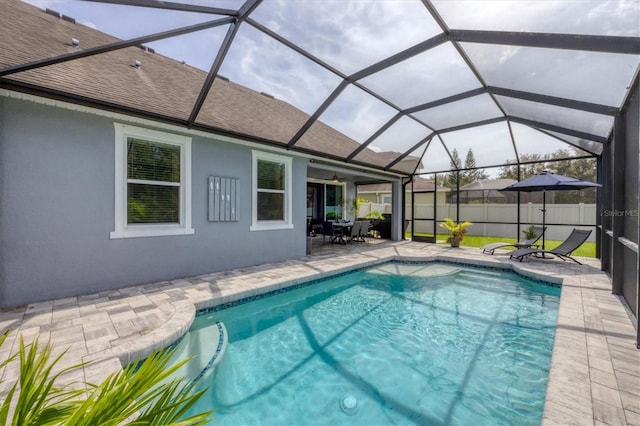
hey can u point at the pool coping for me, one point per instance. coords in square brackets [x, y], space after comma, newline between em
[593, 377]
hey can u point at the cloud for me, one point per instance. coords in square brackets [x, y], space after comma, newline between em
[349, 35]
[357, 114]
[491, 144]
[123, 21]
[616, 17]
[587, 76]
[261, 63]
[435, 74]
[601, 17]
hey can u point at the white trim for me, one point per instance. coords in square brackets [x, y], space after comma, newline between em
[121, 228]
[287, 223]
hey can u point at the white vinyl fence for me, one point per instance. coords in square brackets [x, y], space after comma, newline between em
[578, 214]
[366, 208]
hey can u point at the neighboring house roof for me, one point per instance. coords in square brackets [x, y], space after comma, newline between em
[487, 184]
[418, 185]
[161, 86]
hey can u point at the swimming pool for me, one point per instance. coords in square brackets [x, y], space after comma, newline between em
[397, 344]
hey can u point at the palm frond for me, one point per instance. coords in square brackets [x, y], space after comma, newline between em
[141, 391]
[144, 393]
[38, 399]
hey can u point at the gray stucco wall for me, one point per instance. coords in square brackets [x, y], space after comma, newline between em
[57, 210]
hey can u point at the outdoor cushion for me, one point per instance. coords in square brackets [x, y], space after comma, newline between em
[563, 251]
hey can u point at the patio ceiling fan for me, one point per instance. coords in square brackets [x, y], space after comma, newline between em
[336, 179]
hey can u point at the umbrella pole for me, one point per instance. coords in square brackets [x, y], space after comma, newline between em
[544, 213]
[544, 218]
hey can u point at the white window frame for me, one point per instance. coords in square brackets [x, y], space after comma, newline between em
[122, 229]
[269, 225]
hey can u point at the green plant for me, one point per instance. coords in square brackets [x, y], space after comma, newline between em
[456, 230]
[530, 233]
[354, 206]
[332, 216]
[374, 214]
[142, 393]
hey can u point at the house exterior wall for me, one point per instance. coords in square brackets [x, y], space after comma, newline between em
[57, 210]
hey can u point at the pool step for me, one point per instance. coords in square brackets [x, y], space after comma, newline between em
[219, 335]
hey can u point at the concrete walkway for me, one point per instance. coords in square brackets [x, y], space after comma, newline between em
[595, 372]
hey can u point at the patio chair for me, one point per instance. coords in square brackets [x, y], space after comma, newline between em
[328, 230]
[563, 251]
[490, 248]
[366, 232]
[356, 230]
[362, 232]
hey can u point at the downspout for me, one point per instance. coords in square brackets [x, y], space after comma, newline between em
[404, 205]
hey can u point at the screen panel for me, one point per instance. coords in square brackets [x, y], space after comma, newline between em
[434, 74]
[349, 34]
[594, 17]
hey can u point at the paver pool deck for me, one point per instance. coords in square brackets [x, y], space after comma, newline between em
[595, 369]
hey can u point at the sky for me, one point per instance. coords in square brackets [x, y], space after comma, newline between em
[351, 35]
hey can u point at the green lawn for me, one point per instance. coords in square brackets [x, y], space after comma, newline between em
[585, 250]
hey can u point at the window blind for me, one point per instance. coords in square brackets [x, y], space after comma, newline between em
[153, 182]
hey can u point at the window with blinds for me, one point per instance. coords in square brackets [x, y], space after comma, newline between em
[272, 191]
[153, 182]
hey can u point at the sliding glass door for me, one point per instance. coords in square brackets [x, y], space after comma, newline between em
[325, 201]
[334, 208]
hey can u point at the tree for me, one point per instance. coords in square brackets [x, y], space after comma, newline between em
[526, 170]
[581, 168]
[468, 175]
[450, 180]
[472, 174]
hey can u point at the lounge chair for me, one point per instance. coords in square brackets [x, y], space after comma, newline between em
[490, 248]
[563, 251]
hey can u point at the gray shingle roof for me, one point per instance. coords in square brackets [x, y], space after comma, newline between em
[161, 86]
[454, 73]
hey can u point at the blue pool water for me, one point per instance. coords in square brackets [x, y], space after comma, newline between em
[397, 344]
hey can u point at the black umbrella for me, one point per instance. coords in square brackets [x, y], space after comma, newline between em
[547, 181]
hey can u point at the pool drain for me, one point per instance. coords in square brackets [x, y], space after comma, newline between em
[349, 405]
